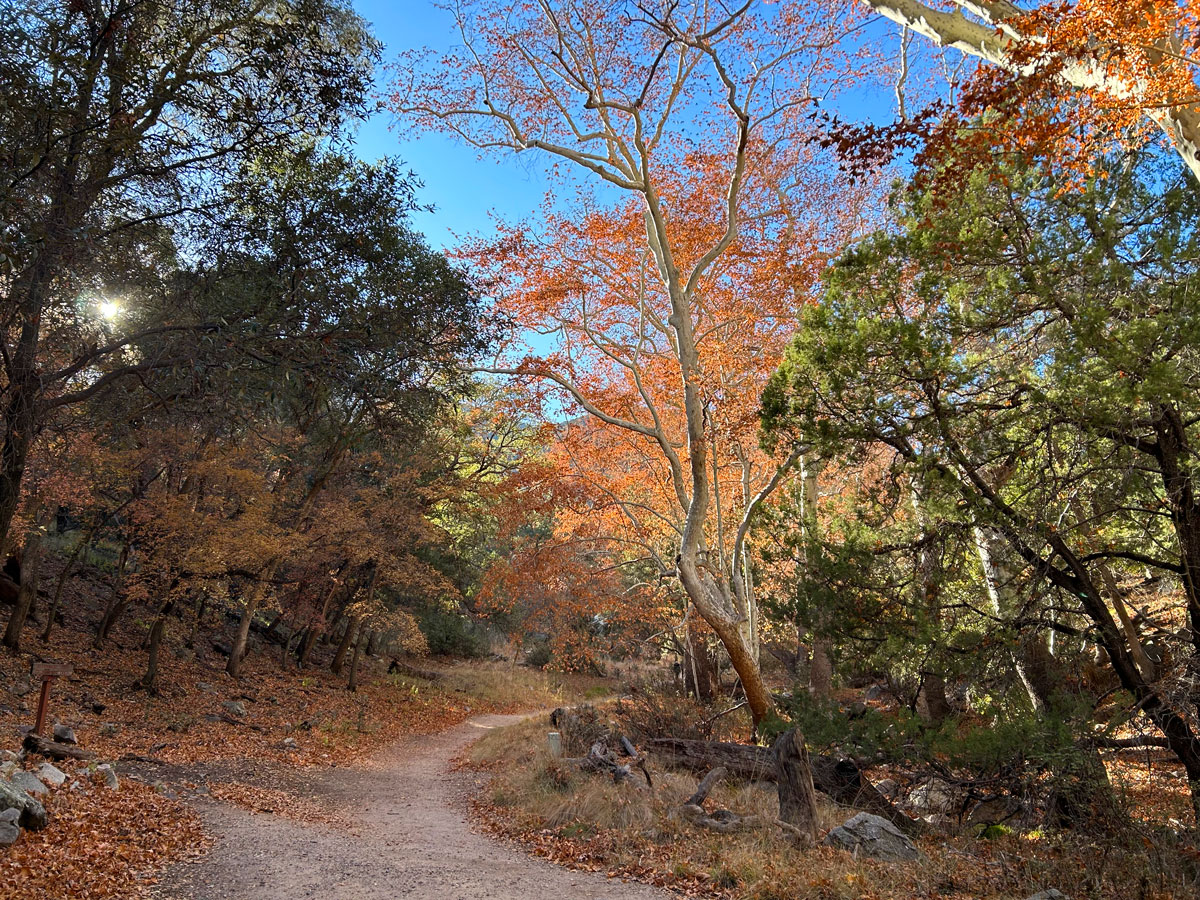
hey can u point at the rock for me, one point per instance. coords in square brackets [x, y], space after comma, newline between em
[31, 814]
[290, 744]
[235, 708]
[9, 756]
[51, 774]
[888, 787]
[27, 781]
[64, 734]
[875, 692]
[872, 836]
[98, 708]
[8, 768]
[856, 710]
[1049, 894]
[934, 796]
[10, 830]
[22, 689]
[204, 687]
[108, 729]
[109, 774]
[995, 811]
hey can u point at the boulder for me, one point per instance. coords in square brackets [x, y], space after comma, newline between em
[10, 828]
[934, 796]
[109, 774]
[8, 768]
[872, 836]
[27, 782]
[888, 787]
[996, 811]
[1049, 894]
[9, 756]
[235, 708]
[51, 774]
[64, 734]
[31, 813]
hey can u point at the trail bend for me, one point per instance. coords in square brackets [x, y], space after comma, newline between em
[411, 839]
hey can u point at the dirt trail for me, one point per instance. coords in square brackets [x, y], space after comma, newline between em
[411, 840]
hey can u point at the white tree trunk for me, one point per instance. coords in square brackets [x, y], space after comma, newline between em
[992, 37]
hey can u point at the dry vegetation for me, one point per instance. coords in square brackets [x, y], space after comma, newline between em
[587, 822]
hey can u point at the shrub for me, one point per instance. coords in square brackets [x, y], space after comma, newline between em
[452, 634]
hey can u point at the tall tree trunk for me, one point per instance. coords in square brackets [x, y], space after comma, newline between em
[84, 541]
[30, 563]
[339, 658]
[149, 682]
[1036, 667]
[352, 685]
[927, 583]
[116, 599]
[698, 670]
[820, 667]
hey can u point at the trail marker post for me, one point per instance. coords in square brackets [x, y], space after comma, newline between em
[47, 672]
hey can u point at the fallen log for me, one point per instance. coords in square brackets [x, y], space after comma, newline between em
[403, 668]
[839, 779]
[35, 743]
[724, 821]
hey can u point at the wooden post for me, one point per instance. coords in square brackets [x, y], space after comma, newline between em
[47, 672]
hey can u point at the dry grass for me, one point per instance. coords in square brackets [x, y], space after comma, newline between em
[586, 821]
[502, 685]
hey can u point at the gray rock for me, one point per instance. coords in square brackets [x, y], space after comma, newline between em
[64, 734]
[204, 687]
[8, 768]
[290, 744]
[22, 689]
[235, 708]
[934, 796]
[12, 814]
[9, 832]
[875, 692]
[108, 729]
[51, 774]
[27, 781]
[109, 774]
[1049, 894]
[32, 814]
[872, 836]
[995, 811]
[9, 756]
[888, 788]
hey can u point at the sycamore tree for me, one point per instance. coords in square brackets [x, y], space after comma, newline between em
[677, 110]
[1082, 76]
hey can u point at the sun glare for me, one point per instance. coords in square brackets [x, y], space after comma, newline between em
[109, 310]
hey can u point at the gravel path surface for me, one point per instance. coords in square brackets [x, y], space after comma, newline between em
[411, 839]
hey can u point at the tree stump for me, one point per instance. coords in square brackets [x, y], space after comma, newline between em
[793, 779]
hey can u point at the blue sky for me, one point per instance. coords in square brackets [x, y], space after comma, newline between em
[463, 188]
